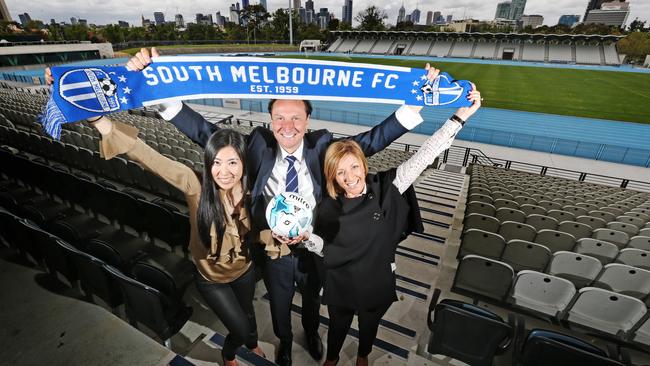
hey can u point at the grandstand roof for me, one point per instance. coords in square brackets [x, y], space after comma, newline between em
[535, 36]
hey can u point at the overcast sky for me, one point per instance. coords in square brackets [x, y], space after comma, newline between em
[110, 11]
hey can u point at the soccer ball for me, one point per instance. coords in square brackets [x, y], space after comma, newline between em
[288, 214]
[108, 86]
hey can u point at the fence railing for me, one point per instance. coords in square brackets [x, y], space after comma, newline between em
[464, 156]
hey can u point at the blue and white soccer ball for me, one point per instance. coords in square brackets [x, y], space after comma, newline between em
[288, 214]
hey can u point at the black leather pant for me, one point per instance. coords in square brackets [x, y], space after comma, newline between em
[233, 304]
[340, 321]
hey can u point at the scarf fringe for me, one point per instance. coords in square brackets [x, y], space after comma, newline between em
[52, 118]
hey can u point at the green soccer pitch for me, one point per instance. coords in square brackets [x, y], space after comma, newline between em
[622, 96]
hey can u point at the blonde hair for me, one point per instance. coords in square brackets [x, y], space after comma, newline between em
[333, 156]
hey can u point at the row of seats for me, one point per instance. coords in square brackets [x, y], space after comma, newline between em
[596, 309]
[477, 336]
[150, 297]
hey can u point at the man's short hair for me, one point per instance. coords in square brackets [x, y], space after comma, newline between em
[308, 106]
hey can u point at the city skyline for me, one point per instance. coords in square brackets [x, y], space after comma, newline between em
[111, 12]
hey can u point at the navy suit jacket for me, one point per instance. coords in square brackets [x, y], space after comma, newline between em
[262, 150]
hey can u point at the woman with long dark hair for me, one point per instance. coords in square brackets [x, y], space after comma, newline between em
[219, 222]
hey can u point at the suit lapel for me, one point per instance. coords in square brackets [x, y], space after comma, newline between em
[311, 157]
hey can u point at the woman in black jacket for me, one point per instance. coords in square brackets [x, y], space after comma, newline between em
[359, 227]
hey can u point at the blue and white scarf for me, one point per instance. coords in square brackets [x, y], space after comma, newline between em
[81, 92]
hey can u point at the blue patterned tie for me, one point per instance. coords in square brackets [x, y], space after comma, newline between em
[292, 175]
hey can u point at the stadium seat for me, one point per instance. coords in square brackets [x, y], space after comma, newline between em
[645, 231]
[503, 202]
[578, 268]
[525, 200]
[587, 206]
[529, 209]
[480, 208]
[93, 278]
[614, 210]
[550, 205]
[510, 214]
[624, 279]
[555, 240]
[575, 210]
[634, 257]
[482, 222]
[602, 250]
[606, 311]
[483, 276]
[613, 236]
[466, 332]
[540, 222]
[521, 254]
[627, 228]
[594, 222]
[483, 243]
[630, 218]
[480, 198]
[516, 230]
[607, 216]
[143, 304]
[542, 293]
[545, 348]
[560, 215]
[577, 229]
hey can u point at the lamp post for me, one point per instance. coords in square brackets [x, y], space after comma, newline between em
[290, 24]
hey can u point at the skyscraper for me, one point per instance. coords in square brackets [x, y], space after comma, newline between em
[159, 17]
[612, 13]
[402, 14]
[296, 5]
[593, 5]
[323, 18]
[4, 12]
[503, 10]
[24, 19]
[178, 20]
[347, 11]
[309, 5]
[415, 16]
[438, 18]
[244, 4]
[263, 3]
[517, 9]
[569, 20]
[429, 17]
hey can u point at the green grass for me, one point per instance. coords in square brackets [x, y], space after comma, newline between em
[621, 96]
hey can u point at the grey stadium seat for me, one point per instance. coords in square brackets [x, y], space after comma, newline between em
[480, 208]
[561, 215]
[483, 243]
[517, 230]
[594, 222]
[510, 214]
[577, 268]
[542, 293]
[482, 222]
[634, 257]
[602, 250]
[624, 279]
[577, 229]
[613, 236]
[630, 218]
[555, 240]
[606, 311]
[540, 222]
[521, 255]
[483, 276]
[627, 228]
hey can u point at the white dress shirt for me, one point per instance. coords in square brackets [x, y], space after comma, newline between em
[278, 179]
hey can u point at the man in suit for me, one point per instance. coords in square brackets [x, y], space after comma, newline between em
[276, 159]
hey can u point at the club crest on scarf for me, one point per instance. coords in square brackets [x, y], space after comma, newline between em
[441, 91]
[91, 89]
